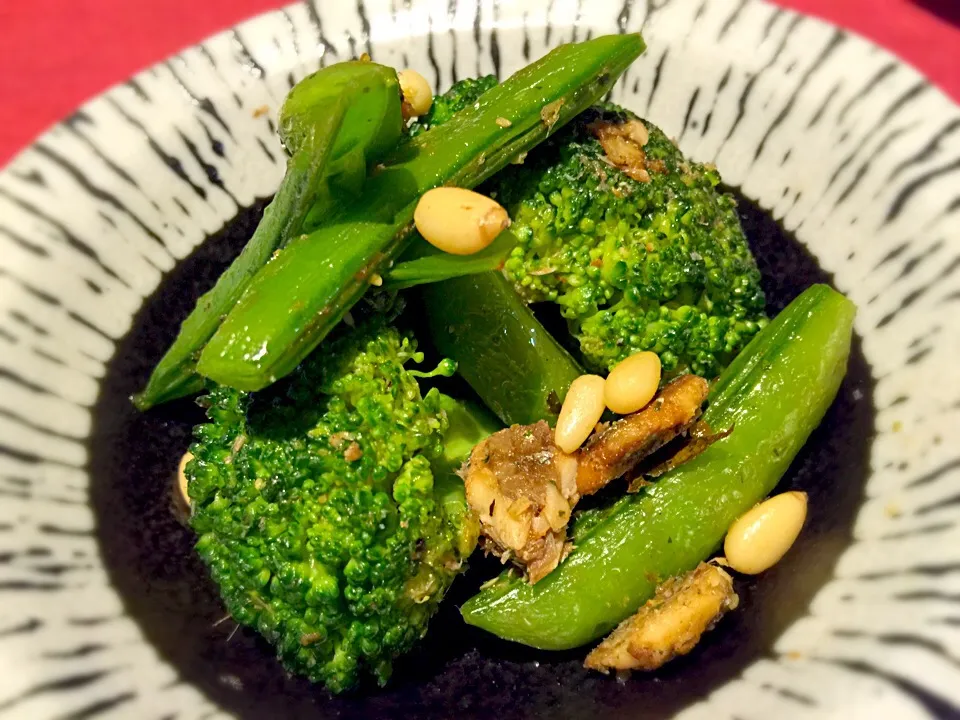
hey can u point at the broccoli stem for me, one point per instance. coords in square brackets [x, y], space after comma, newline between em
[470, 424]
[339, 117]
[304, 292]
[501, 349]
[775, 393]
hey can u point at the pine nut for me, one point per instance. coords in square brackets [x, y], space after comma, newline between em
[581, 411]
[762, 535]
[459, 221]
[417, 95]
[182, 495]
[632, 383]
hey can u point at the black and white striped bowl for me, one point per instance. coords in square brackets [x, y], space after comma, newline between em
[104, 612]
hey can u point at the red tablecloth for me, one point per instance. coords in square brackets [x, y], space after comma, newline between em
[58, 53]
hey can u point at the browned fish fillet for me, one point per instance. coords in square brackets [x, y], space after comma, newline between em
[620, 446]
[669, 624]
[523, 488]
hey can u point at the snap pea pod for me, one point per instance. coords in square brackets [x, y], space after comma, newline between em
[774, 394]
[372, 121]
[501, 349]
[333, 123]
[300, 295]
[421, 263]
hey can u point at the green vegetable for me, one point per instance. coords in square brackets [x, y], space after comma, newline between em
[660, 265]
[422, 263]
[372, 122]
[774, 394]
[509, 359]
[306, 289]
[446, 105]
[410, 270]
[332, 123]
[468, 425]
[326, 507]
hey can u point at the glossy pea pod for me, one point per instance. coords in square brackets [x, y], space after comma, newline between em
[501, 349]
[422, 263]
[774, 394]
[297, 298]
[333, 124]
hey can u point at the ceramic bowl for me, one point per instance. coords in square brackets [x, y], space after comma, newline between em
[847, 165]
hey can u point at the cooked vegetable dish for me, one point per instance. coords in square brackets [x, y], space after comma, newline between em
[514, 319]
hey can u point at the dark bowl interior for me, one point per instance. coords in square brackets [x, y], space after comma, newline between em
[458, 670]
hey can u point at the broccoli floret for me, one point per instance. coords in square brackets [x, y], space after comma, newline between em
[318, 511]
[460, 94]
[655, 263]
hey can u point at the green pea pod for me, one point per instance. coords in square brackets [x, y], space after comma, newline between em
[372, 121]
[501, 349]
[299, 296]
[426, 264]
[774, 394]
[332, 121]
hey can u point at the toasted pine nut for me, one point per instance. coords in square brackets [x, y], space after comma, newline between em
[182, 495]
[581, 411]
[459, 221]
[417, 95]
[632, 383]
[762, 535]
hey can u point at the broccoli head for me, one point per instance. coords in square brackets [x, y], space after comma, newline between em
[634, 243]
[325, 508]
